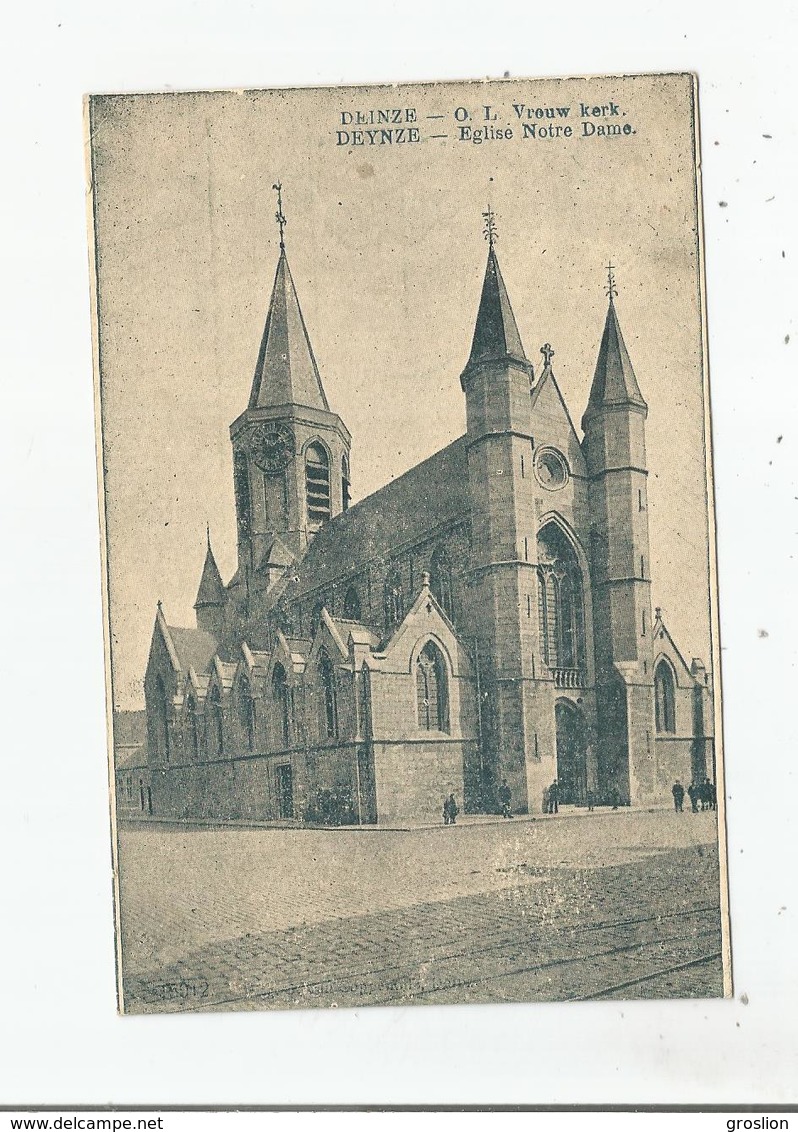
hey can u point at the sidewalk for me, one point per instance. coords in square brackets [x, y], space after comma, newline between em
[464, 821]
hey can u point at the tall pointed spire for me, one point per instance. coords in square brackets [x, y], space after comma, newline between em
[286, 370]
[211, 588]
[496, 337]
[614, 382]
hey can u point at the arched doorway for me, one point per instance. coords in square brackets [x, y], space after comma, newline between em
[571, 753]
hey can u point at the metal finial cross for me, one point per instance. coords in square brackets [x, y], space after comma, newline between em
[278, 216]
[611, 289]
[489, 229]
[548, 353]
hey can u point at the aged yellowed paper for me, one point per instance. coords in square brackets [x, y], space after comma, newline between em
[409, 544]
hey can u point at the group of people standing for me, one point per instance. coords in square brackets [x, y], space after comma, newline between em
[702, 795]
[504, 796]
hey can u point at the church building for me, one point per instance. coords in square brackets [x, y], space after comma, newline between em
[485, 617]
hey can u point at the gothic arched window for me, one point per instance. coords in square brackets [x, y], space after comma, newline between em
[560, 601]
[346, 486]
[431, 690]
[393, 599]
[215, 722]
[191, 727]
[317, 483]
[281, 697]
[441, 581]
[352, 604]
[246, 713]
[329, 694]
[567, 642]
[163, 733]
[664, 697]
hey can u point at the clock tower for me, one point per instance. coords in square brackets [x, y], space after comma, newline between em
[290, 451]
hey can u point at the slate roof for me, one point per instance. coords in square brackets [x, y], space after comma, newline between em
[614, 382]
[195, 648]
[130, 757]
[286, 370]
[130, 728]
[496, 336]
[401, 513]
[359, 632]
[130, 739]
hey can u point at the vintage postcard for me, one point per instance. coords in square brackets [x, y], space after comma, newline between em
[409, 543]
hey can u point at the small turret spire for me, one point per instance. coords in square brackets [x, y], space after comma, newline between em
[211, 588]
[496, 337]
[614, 382]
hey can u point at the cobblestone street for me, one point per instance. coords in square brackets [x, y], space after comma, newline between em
[617, 904]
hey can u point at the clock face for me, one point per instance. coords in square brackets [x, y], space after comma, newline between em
[272, 447]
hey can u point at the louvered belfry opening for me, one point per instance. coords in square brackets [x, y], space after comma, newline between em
[317, 484]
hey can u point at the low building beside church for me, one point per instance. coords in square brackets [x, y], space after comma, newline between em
[484, 617]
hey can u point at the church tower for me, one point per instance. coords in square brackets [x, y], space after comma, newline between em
[496, 382]
[615, 451]
[290, 451]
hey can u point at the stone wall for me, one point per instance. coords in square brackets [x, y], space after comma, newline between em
[414, 777]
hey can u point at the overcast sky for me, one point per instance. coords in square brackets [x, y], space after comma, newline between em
[387, 254]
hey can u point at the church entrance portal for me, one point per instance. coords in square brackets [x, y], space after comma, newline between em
[571, 753]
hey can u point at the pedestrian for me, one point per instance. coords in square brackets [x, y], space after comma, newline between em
[615, 796]
[451, 811]
[692, 794]
[713, 796]
[554, 797]
[706, 794]
[591, 800]
[446, 817]
[505, 798]
[678, 796]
